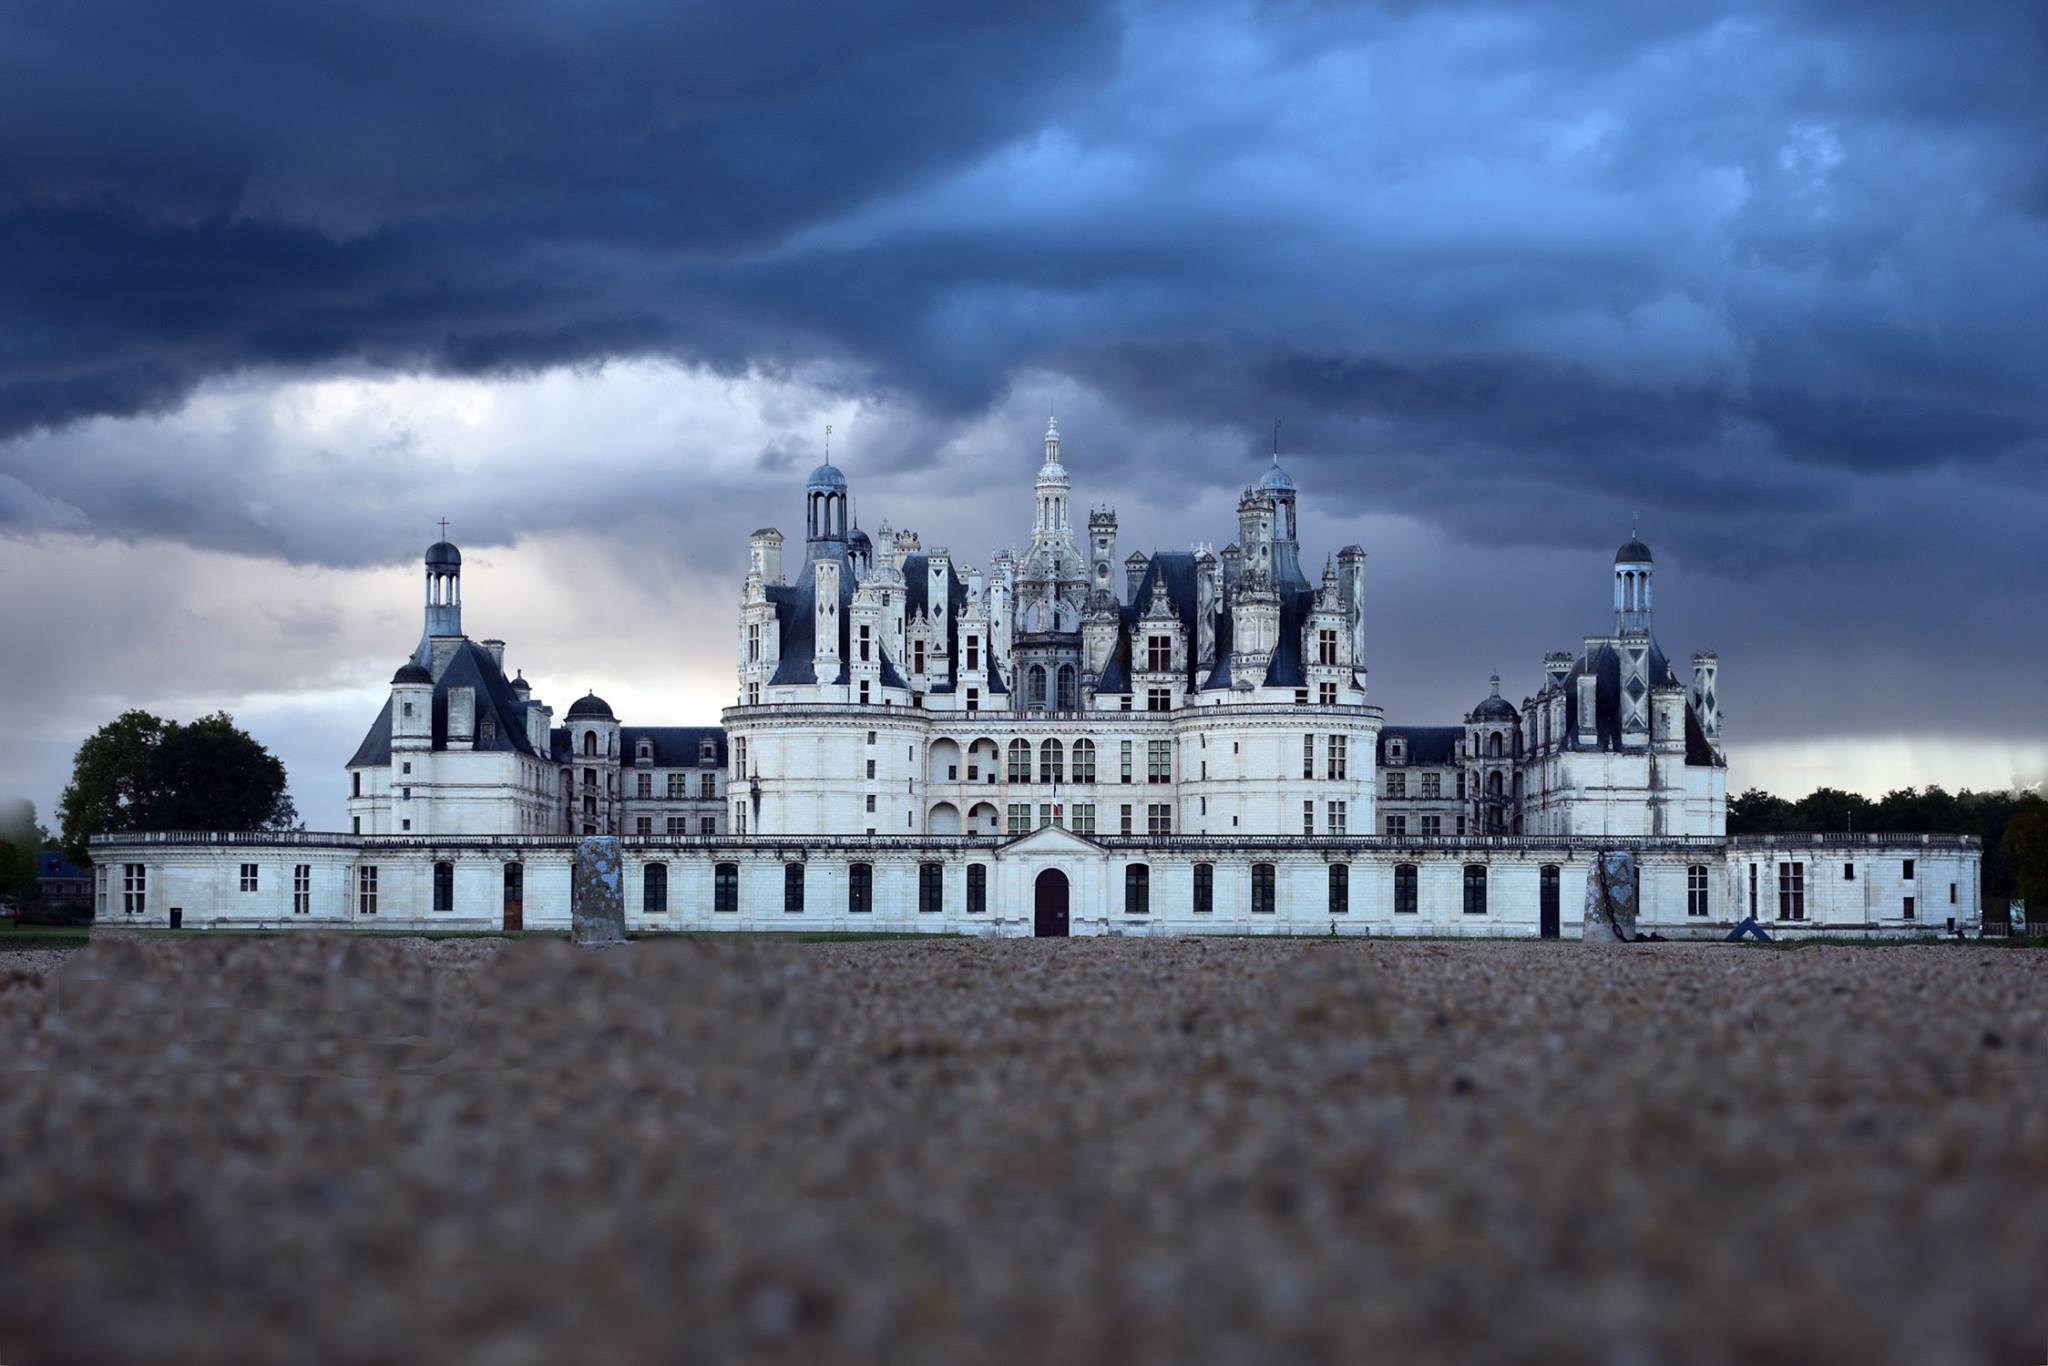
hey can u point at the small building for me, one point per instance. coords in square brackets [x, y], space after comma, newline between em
[59, 879]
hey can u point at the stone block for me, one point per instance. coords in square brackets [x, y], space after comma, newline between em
[1610, 899]
[597, 893]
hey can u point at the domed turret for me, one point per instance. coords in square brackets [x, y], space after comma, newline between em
[590, 707]
[1275, 480]
[444, 554]
[410, 673]
[1632, 569]
[444, 589]
[1633, 552]
[1496, 707]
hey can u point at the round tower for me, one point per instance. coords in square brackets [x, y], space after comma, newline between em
[444, 589]
[1632, 567]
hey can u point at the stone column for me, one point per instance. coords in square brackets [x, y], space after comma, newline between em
[597, 893]
[1610, 899]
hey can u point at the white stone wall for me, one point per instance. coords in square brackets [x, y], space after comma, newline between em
[201, 877]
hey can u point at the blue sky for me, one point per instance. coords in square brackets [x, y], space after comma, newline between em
[282, 287]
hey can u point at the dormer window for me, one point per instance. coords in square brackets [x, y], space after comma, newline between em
[644, 751]
[707, 752]
[487, 730]
[1397, 751]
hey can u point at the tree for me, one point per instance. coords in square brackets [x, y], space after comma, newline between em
[20, 838]
[140, 772]
[1757, 812]
[2026, 846]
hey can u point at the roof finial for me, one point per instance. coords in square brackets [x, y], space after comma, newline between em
[828, 443]
[1634, 526]
[1276, 443]
[444, 528]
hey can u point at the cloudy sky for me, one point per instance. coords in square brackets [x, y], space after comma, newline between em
[281, 286]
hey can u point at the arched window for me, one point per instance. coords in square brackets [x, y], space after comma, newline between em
[1493, 787]
[1137, 889]
[792, 889]
[1069, 698]
[860, 888]
[590, 742]
[1051, 762]
[1020, 761]
[1475, 889]
[1493, 745]
[654, 889]
[725, 889]
[1084, 761]
[1262, 889]
[1034, 691]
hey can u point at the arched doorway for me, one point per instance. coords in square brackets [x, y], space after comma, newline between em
[1049, 905]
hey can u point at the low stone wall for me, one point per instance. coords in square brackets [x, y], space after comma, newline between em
[1448, 888]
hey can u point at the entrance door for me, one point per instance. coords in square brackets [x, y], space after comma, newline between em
[1049, 905]
[1548, 904]
[515, 896]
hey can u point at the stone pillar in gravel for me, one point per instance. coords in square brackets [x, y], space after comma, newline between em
[1610, 899]
[597, 893]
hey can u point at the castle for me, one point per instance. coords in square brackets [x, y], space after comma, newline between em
[1196, 733]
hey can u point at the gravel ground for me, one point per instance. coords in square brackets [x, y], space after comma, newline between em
[1112, 1150]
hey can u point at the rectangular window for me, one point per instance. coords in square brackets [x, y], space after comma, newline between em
[1909, 908]
[134, 888]
[1084, 818]
[1308, 816]
[931, 888]
[248, 877]
[1397, 826]
[871, 799]
[973, 656]
[1137, 889]
[1339, 816]
[1205, 888]
[1159, 819]
[708, 825]
[860, 888]
[1262, 889]
[1159, 761]
[1159, 654]
[643, 788]
[739, 759]
[1124, 819]
[725, 889]
[643, 825]
[674, 826]
[707, 786]
[1907, 872]
[1158, 699]
[1397, 785]
[1791, 891]
[917, 656]
[1475, 889]
[1019, 818]
[974, 699]
[654, 889]
[1127, 760]
[866, 645]
[1047, 815]
[1432, 785]
[677, 788]
[366, 891]
[1326, 648]
[444, 887]
[977, 888]
[1308, 756]
[1326, 694]
[754, 641]
[1340, 762]
[1432, 827]
[1695, 890]
[792, 889]
[1406, 897]
[1340, 889]
[302, 889]
[1752, 891]
[1848, 872]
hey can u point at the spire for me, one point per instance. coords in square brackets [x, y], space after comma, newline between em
[1276, 443]
[1052, 439]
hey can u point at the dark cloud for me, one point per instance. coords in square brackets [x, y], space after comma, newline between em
[1771, 276]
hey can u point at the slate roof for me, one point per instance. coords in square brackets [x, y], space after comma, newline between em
[1428, 746]
[52, 864]
[470, 666]
[1603, 664]
[674, 746]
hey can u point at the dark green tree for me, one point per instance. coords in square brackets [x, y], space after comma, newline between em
[2026, 848]
[1757, 812]
[140, 772]
[20, 838]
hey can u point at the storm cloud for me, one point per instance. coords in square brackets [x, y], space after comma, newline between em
[1771, 277]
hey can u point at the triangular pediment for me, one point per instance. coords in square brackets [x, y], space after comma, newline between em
[1052, 839]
